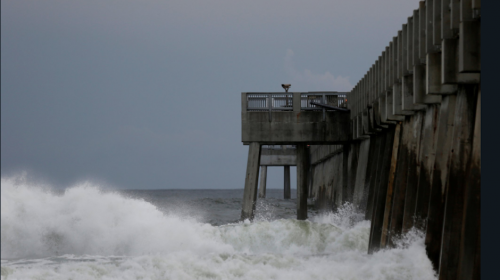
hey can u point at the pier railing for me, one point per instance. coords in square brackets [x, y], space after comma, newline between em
[272, 101]
[269, 101]
[278, 147]
[333, 99]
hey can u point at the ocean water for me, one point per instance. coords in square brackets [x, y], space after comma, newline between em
[86, 232]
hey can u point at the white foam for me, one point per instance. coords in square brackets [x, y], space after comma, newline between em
[93, 227]
[85, 220]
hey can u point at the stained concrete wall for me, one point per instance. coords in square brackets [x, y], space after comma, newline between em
[414, 158]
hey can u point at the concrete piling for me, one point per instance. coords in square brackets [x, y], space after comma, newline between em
[439, 178]
[380, 194]
[286, 184]
[470, 242]
[263, 181]
[302, 173]
[400, 178]
[251, 181]
[426, 161]
[455, 189]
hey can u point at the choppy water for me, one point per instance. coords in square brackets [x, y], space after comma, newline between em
[87, 233]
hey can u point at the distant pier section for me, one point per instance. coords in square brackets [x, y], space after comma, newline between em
[277, 118]
[277, 155]
[295, 118]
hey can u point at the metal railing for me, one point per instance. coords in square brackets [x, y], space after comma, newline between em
[284, 101]
[335, 99]
[278, 147]
[269, 101]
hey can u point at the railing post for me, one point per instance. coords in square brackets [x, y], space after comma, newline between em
[244, 102]
[270, 105]
[324, 110]
[296, 101]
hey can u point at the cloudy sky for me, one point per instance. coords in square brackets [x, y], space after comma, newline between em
[146, 94]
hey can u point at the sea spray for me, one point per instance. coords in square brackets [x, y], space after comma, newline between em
[87, 233]
[86, 220]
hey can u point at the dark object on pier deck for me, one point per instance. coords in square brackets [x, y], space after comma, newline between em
[328, 106]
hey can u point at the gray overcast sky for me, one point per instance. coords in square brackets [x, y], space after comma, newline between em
[146, 94]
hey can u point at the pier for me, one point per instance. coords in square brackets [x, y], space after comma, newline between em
[276, 118]
[277, 155]
[404, 145]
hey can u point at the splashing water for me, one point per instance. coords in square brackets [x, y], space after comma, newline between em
[87, 233]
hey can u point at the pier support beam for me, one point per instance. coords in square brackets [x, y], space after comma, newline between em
[286, 185]
[263, 180]
[460, 156]
[302, 172]
[251, 180]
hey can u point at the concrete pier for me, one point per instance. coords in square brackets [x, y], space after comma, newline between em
[407, 154]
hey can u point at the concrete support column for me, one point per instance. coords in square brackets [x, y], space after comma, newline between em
[360, 196]
[302, 172]
[373, 157]
[251, 181]
[286, 185]
[427, 155]
[439, 177]
[380, 189]
[390, 186]
[413, 173]
[470, 244]
[400, 179]
[346, 192]
[374, 160]
[263, 180]
[463, 134]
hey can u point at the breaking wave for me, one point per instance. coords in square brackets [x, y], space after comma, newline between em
[87, 233]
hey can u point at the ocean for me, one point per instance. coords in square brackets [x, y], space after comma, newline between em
[89, 232]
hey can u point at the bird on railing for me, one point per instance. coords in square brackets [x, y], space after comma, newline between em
[286, 86]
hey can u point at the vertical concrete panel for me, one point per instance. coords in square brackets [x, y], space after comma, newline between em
[352, 170]
[439, 177]
[381, 189]
[413, 172]
[263, 180]
[251, 181]
[345, 177]
[426, 161]
[338, 179]
[455, 190]
[302, 168]
[360, 197]
[469, 50]
[328, 178]
[312, 181]
[470, 244]
[397, 210]
[286, 182]
[371, 173]
[390, 185]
